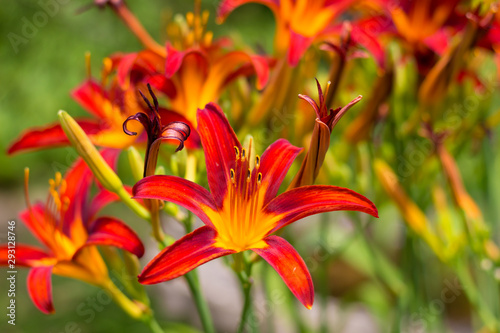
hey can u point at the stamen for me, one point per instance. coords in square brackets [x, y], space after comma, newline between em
[243, 154]
[26, 185]
[257, 161]
[327, 89]
[248, 175]
[237, 151]
[58, 178]
[259, 178]
[63, 187]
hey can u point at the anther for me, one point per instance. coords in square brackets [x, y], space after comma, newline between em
[237, 151]
[231, 173]
[257, 161]
[243, 154]
[248, 175]
[259, 178]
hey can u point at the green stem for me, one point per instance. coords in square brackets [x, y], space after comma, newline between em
[194, 287]
[201, 303]
[131, 308]
[153, 325]
[135, 206]
[246, 284]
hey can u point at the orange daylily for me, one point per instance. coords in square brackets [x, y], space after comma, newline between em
[241, 211]
[68, 228]
[108, 109]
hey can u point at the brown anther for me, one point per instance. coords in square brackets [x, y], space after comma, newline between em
[237, 151]
[231, 173]
[259, 178]
[257, 161]
[249, 173]
[243, 154]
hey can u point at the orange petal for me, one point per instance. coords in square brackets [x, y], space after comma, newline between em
[113, 232]
[180, 191]
[290, 266]
[189, 252]
[25, 255]
[309, 200]
[40, 288]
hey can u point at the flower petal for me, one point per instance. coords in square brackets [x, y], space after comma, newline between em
[47, 136]
[34, 220]
[297, 48]
[110, 231]
[309, 200]
[218, 140]
[25, 255]
[275, 162]
[92, 97]
[227, 6]
[180, 191]
[189, 252]
[290, 266]
[40, 288]
[101, 200]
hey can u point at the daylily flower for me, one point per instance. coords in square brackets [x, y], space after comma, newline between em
[194, 71]
[326, 119]
[298, 23]
[108, 110]
[69, 229]
[241, 211]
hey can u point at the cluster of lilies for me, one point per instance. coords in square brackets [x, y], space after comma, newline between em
[201, 94]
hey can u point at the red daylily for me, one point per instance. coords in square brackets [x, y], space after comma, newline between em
[241, 211]
[298, 23]
[68, 228]
[425, 26]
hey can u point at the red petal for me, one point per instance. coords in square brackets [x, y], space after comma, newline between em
[25, 255]
[91, 97]
[297, 48]
[175, 59]
[40, 288]
[47, 137]
[34, 221]
[189, 252]
[369, 42]
[101, 200]
[290, 266]
[275, 163]
[309, 200]
[227, 6]
[113, 232]
[189, 195]
[124, 69]
[218, 141]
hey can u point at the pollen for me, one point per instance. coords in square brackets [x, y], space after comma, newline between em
[241, 220]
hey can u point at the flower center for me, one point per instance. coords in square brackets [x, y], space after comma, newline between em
[244, 203]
